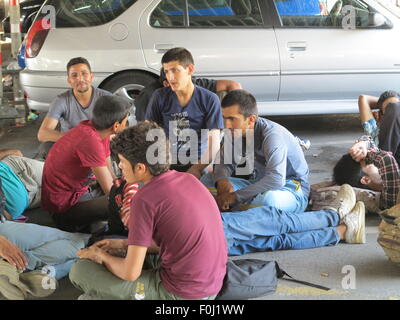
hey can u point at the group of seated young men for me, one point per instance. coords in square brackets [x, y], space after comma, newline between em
[244, 191]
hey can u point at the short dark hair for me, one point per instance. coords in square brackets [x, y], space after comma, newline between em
[78, 60]
[349, 171]
[132, 144]
[386, 95]
[182, 55]
[108, 110]
[246, 101]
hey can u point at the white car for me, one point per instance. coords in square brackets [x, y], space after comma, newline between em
[295, 56]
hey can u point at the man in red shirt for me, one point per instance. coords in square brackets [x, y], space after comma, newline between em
[82, 152]
[190, 241]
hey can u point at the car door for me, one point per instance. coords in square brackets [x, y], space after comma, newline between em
[325, 55]
[229, 39]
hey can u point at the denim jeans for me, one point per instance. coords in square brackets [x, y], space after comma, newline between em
[267, 228]
[45, 246]
[289, 198]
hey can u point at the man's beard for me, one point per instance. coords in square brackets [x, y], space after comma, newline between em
[86, 89]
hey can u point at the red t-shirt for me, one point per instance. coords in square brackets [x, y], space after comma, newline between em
[67, 169]
[180, 214]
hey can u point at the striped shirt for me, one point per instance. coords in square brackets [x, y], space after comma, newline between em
[389, 172]
[130, 190]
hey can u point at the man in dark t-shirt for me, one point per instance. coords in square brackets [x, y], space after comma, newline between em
[184, 110]
[189, 240]
[219, 87]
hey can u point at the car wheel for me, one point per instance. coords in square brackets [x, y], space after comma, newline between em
[128, 84]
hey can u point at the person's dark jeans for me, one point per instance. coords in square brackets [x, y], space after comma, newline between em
[82, 214]
[43, 150]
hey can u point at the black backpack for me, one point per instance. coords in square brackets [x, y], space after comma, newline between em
[252, 278]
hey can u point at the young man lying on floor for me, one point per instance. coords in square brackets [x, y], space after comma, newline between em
[28, 247]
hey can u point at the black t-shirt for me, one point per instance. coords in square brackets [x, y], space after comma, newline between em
[143, 98]
[389, 131]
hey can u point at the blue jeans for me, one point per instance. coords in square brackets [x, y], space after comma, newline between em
[45, 246]
[267, 228]
[289, 198]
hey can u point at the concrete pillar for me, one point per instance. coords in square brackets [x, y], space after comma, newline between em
[15, 25]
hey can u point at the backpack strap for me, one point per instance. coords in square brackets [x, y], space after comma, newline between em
[281, 274]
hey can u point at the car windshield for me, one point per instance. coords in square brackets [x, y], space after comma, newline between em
[87, 13]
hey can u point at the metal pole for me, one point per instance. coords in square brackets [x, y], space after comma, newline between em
[15, 24]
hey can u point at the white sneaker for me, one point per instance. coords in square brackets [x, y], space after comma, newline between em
[344, 202]
[355, 223]
[305, 144]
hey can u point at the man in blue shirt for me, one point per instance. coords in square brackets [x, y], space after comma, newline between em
[21, 181]
[275, 172]
[183, 110]
[261, 179]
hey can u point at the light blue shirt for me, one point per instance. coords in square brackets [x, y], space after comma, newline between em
[17, 200]
[277, 157]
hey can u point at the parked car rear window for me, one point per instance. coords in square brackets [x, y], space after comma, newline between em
[87, 13]
[207, 14]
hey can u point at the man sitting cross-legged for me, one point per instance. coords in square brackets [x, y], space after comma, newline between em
[275, 172]
[190, 259]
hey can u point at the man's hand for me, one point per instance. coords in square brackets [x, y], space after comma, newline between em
[10, 152]
[225, 200]
[112, 246]
[12, 254]
[359, 151]
[92, 253]
[224, 186]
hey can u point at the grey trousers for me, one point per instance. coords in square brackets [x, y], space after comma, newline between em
[30, 172]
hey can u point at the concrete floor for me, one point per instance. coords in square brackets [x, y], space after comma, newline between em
[375, 276]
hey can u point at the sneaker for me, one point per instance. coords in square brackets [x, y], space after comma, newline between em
[344, 202]
[355, 223]
[305, 144]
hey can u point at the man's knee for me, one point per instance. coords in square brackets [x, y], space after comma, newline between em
[81, 272]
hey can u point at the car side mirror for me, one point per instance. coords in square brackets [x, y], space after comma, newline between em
[376, 19]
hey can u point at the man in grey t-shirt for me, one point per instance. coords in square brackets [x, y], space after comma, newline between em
[70, 107]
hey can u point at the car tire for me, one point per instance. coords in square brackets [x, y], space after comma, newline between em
[128, 84]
